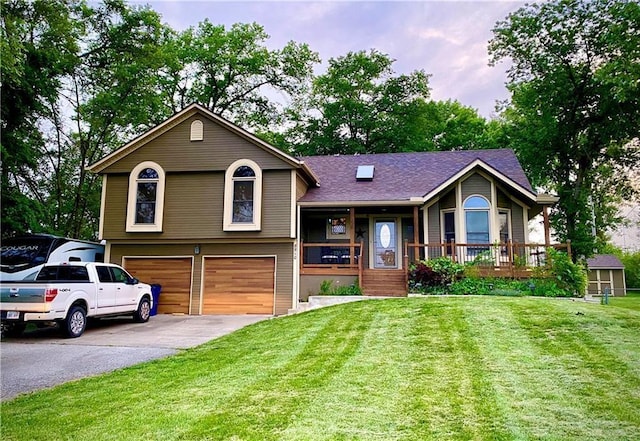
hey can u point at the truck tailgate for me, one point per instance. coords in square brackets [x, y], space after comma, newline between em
[25, 299]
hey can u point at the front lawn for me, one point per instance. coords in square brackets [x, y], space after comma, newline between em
[438, 368]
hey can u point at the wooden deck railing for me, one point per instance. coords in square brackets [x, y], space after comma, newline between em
[331, 258]
[509, 258]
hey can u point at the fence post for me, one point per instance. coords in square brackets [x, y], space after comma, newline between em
[569, 248]
[510, 257]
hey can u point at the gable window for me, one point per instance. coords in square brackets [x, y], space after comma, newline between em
[197, 131]
[243, 196]
[476, 217]
[146, 198]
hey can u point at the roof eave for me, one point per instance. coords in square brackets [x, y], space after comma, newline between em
[390, 203]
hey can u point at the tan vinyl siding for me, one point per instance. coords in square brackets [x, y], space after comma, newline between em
[115, 206]
[618, 282]
[282, 251]
[476, 184]
[517, 224]
[503, 199]
[449, 200]
[434, 224]
[276, 204]
[174, 152]
[193, 207]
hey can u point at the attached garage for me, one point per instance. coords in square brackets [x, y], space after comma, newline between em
[238, 285]
[173, 274]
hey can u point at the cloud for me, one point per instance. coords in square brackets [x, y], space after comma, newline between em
[443, 38]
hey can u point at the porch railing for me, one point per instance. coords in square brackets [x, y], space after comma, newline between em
[332, 258]
[509, 258]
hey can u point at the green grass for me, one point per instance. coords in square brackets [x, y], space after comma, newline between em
[630, 301]
[479, 368]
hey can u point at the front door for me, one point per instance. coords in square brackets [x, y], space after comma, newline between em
[385, 244]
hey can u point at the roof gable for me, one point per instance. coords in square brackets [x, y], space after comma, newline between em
[183, 116]
[409, 177]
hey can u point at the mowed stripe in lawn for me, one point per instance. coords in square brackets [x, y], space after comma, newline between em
[414, 369]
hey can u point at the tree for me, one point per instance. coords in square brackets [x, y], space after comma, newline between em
[359, 106]
[234, 74]
[80, 81]
[574, 115]
[449, 125]
[38, 47]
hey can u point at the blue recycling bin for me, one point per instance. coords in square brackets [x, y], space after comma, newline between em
[155, 293]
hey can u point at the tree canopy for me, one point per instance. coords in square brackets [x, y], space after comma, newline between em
[80, 78]
[574, 115]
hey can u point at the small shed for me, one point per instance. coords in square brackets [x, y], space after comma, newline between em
[606, 271]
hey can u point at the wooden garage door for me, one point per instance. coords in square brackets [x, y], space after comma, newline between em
[173, 274]
[238, 285]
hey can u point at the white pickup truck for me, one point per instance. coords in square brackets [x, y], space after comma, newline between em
[70, 292]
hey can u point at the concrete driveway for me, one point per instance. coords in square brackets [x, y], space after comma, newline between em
[42, 358]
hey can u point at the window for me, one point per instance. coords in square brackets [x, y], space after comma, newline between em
[146, 198]
[119, 275]
[70, 273]
[476, 215]
[243, 196]
[338, 228]
[197, 131]
[505, 226]
[449, 229]
[103, 274]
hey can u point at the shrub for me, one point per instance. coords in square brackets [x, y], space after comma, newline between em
[434, 275]
[327, 288]
[489, 286]
[560, 276]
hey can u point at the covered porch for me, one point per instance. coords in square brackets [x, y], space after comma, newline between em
[374, 247]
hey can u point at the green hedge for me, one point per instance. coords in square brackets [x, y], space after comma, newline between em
[560, 278]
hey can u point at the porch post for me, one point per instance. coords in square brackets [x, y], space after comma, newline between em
[547, 228]
[416, 234]
[406, 264]
[352, 234]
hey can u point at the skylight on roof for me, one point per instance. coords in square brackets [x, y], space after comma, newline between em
[364, 173]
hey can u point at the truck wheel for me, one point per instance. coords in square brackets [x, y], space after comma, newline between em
[73, 326]
[143, 312]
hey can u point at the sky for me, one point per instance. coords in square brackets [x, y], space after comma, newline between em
[446, 39]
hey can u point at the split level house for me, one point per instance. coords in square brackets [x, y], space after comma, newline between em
[228, 224]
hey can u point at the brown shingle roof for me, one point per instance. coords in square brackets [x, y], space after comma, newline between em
[604, 261]
[401, 176]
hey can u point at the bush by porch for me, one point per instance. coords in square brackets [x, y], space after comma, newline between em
[558, 277]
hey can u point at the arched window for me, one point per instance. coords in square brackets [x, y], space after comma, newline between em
[146, 198]
[476, 217]
[197, 131]
[243, 196]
